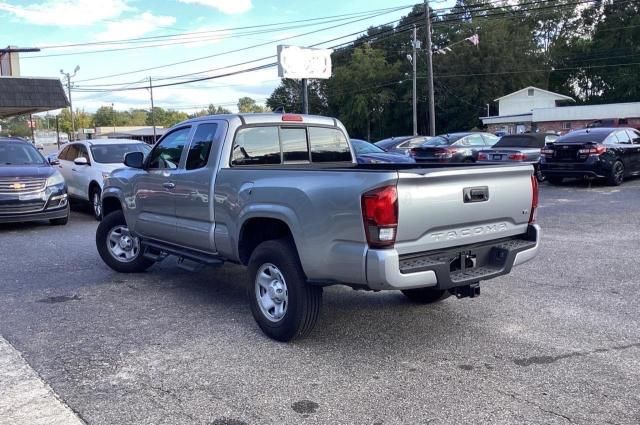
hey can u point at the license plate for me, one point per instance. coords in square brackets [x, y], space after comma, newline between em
[497, 157]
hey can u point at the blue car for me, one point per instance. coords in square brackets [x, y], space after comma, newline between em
[368, 153]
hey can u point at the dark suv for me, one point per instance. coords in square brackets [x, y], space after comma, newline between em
[605, 152]
[30, 189]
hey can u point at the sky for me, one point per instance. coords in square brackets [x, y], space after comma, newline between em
[220, 26]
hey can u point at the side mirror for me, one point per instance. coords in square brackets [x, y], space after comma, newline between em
[53, 161]
[81, 161]
[134, 160]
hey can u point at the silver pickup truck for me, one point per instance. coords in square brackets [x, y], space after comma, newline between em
[283, 195]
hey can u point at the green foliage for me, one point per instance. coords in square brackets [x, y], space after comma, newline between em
[247, 105]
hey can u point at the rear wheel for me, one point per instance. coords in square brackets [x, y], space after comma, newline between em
[555, 180]
[283, 304]
[616, 175]
[539, 176]
[96, 203]
[426, 295]
[118, 248]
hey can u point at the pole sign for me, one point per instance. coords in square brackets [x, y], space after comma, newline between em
[301, 62]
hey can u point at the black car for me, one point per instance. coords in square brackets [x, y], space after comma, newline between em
[400, 144]
[606, 153]
[30, 189]
[368, 153]
[454, 147]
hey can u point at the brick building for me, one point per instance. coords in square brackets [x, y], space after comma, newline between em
[534, 109]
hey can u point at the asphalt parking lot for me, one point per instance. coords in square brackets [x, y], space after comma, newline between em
[555, 342]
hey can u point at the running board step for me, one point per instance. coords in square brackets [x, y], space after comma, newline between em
[181, 253]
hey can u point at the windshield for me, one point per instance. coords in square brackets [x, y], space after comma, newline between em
[114, 154]
[19, 154]
[362, 147]
[441, 141]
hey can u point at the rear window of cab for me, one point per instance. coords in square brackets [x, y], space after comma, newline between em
[272, 145]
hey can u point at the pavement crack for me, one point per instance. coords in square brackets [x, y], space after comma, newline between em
[528, 361]
[520, 398]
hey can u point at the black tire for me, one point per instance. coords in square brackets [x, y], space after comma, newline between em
[539, 176]
[426, 295]
[96, 209]
[555, 180]
[468, 161]
[616, 175]
[109, 223]
[303, 300]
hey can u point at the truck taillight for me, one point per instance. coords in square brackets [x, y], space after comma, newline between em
[534, 199]
[517, 157]
[380, 216]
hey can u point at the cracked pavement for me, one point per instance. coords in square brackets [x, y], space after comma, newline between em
[555, 342]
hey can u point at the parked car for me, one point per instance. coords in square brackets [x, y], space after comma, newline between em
[368, 153]
[283, 195]
[85, 165]
[605, 153]
[524, 148]
[454, 147]
[401, 144]
[30, 188]
[611, 122]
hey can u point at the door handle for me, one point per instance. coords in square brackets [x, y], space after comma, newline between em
[169, 185]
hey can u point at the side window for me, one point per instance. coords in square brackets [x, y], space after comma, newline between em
[623, 137]
[328, 145]
[63, 153]
[166, 154]
[72, 153]
[198, 155]
[490, 140]
[294, 144]
[474, 140]
[635, 137]
[82, 152]
[611, 139]
[256, 145]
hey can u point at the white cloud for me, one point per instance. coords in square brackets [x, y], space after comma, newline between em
[230, 7]
[67, 13]
[134, 27]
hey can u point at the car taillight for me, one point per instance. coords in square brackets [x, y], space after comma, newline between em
[534, 199]
[380, 216]
[517, 157]
[483, 156]
[594, 150]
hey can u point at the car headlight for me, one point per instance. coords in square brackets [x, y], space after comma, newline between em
[55, 179]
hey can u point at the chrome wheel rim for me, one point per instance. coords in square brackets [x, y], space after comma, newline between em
[122, 245]
[97, 205]
[618, 172]
[271, 292]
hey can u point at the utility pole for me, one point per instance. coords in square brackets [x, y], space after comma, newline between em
[305, 96]
[69, 77]
[153, 116]
[32, 124]
[432, 108]
[57, 132]
[488, 110]
[414, 62]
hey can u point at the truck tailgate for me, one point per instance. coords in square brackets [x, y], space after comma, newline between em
[434, 214]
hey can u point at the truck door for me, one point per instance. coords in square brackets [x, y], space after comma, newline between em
[154, 190]
[194, 187]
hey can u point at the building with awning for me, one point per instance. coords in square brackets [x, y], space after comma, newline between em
[30, 95]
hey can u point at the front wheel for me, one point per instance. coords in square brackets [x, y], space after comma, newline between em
[283, 304]
[117, 247]
[426, 295]
[616, 175]
[96, 203]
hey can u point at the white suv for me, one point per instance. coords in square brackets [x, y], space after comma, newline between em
[85, 164]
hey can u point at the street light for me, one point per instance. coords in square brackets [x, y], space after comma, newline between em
[69, 77]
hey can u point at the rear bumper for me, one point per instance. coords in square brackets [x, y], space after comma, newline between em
[589, 168]
[388, 270]
[45, 215]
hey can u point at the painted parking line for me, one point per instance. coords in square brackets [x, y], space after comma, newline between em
[24, 397]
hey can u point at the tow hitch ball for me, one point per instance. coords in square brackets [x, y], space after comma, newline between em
[471, 291]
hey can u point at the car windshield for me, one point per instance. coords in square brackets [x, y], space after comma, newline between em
[114, 154]
[442, 140]
[362, 147]
[19, 154]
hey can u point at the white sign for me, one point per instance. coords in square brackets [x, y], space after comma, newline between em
[301, 62]
[89, 130]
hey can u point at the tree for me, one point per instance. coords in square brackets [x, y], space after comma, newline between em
[289, 96]
[247, 105]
